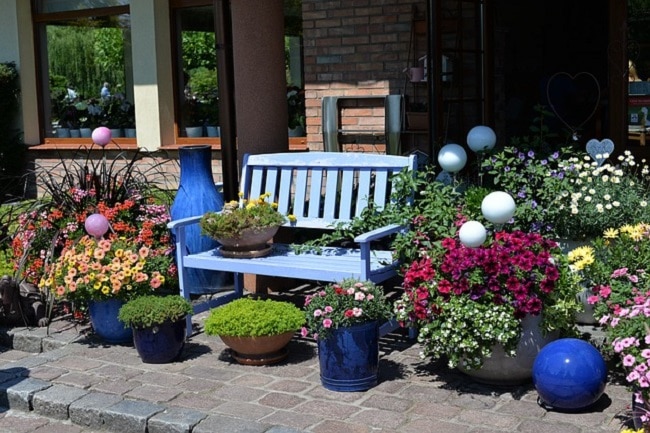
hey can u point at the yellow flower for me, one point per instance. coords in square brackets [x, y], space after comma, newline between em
[610, 233]
[292, 218]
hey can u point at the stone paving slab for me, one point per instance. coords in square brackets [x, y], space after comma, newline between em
[86, 386]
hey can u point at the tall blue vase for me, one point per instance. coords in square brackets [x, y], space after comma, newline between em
[349, 358]
[198, 194]
[103, 316]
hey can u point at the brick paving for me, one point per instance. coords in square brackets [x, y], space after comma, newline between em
[68, 381]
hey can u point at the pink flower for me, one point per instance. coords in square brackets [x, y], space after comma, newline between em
[327, 323]
[351, 291]
[629, 360]
[645, 353]
[619, 273]
[304, 332]
[359, 296]
[318, 312]
[328, 309]
[357, 312]
[593, 299]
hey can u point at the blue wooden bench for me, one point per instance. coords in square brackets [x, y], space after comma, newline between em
[321, 189]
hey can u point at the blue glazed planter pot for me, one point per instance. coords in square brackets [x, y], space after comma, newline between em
[349, 358]
[103, 316]
[160, 344]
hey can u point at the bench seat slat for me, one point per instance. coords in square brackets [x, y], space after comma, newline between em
[332, 265]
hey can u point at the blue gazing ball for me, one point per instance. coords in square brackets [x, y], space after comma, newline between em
[569, 374]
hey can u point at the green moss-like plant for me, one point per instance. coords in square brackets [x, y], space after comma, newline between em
[247, 317]
[151, 310]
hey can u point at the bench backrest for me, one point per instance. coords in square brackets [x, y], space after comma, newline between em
[321, 188]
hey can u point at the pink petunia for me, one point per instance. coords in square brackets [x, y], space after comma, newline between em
[629, 360]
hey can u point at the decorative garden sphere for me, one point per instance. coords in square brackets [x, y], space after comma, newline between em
[481, 138]
[569, 374]
[452, 158]
[96, 225]
[101, 136]
[498, 207]
[472, 234]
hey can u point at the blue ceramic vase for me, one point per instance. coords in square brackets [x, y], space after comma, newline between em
[349, 358]
[103, 316]
[198, 194]
[161, 343]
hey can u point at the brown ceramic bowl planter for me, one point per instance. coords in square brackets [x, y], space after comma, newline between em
[257, 331]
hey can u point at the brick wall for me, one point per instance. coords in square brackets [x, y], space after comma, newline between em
[357, 47]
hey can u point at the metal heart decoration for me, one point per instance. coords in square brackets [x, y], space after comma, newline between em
[573, 98]
[598, 149]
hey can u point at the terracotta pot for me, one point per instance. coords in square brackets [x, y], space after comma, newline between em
[263, 350]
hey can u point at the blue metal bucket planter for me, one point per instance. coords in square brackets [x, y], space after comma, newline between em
[103, 316]
[349, 358]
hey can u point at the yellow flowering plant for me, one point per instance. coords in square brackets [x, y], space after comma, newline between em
[612, 266]
[236, 217]
[116, 267]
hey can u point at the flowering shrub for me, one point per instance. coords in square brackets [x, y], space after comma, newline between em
[237, 216]
[347, 303]
[595, 198]
[628, 332]
[564, 194]
[92, 181]
[99, 269]
[465, 300]
[612, 265]
[534, 179]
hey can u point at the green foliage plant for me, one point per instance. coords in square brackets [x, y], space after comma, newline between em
[248, 317]
[151, 310]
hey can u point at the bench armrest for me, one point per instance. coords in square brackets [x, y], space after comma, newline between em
[184, 222]
[379, 233]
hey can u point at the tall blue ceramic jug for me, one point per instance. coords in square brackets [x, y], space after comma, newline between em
[198, 194]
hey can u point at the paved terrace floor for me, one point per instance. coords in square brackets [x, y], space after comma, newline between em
[70, 382]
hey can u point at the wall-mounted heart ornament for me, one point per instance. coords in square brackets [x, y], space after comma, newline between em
[600, 150]
[573, 98]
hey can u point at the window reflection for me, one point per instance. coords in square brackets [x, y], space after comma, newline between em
[80, 56]
[197, 88]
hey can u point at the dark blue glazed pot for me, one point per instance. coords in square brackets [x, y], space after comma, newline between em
[349, 358]
[198, 194]
[103, 316]
[160, 344]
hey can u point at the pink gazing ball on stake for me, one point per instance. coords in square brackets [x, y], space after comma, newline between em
[101, 136]
[96, 225]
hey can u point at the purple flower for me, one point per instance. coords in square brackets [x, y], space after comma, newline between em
[521, 194]
[521, 156]
[506, 168]
[544, 162]
[555, 155]
[531, 154]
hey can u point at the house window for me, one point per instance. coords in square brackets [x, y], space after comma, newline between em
[197, 92]
[84, 50]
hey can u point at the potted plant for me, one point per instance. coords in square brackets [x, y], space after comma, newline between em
[256, 330]
[417, 116]
[472, 304]
[244, 227]
[106, 272]
[344, 318]
[158, 324]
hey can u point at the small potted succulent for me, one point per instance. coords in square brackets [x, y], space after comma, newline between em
[244, 227]
[256, 330]
[158, 324]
